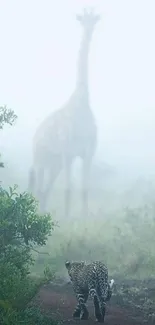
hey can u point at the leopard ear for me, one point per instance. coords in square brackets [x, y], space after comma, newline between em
[67, 264]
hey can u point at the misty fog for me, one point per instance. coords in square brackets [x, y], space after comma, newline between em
[40, 43]
[39, 49]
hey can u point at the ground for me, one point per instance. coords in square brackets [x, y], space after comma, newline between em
[59, 301]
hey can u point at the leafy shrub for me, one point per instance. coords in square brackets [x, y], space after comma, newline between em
[21, 228]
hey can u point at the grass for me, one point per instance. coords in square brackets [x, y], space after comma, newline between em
[125, 241]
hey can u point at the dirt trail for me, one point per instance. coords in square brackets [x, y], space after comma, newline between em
[59, 301]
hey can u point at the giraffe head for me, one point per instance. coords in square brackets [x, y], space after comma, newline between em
[88, 19]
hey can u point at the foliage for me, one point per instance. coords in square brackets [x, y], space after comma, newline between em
[7, 116]
[19, 220]
[29, 316]
[21, 229]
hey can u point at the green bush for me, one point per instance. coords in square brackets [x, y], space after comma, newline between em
[21, 229]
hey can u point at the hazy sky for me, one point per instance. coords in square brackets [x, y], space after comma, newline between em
[39, 47]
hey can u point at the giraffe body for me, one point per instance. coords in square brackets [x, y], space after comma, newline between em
[62, 135]
[66, 134]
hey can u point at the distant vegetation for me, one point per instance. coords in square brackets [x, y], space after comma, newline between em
[124, 240]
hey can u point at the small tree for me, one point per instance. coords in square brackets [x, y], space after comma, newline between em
[21, 228]
[7, 116]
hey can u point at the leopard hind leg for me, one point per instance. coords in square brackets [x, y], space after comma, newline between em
[81, 309]
[94, 296]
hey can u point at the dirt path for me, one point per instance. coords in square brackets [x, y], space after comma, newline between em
[59, 301]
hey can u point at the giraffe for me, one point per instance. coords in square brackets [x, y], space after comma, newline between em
[68, 133]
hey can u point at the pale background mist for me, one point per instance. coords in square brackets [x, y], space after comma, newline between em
[39, 47]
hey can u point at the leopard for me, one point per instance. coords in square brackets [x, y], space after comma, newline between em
[90, 279]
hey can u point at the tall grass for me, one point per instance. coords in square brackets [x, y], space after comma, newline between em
[125, 242]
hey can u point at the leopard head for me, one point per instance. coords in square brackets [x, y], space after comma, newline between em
[73, 268]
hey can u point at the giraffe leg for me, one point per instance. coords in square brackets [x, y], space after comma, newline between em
[40, 184]
[85, 184]
[31, 180]
[48, 189]
[67, 187]
[53, 173]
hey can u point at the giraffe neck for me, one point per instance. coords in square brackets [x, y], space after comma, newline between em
[82, 66]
